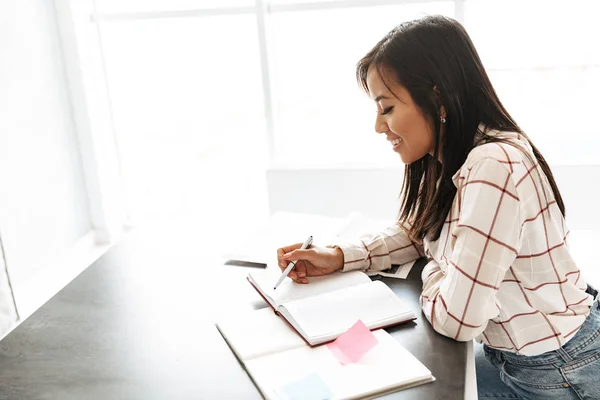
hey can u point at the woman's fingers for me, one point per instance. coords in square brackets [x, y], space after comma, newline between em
[302, 257]
[292, 275]
[280, 261]
[300, 269]
[298, 273]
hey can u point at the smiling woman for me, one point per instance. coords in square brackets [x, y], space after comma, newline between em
[409, 130]
[481, 203]
[438, 112]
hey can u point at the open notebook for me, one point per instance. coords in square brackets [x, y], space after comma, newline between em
[275, 357]
[328, 306]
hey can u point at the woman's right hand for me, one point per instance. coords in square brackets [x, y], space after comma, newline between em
[314, 261]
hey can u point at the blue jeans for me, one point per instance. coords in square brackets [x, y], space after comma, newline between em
[571, 372]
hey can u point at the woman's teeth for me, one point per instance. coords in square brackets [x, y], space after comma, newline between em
[396, 141]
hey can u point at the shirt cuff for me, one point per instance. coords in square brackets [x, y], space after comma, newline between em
[356, 256]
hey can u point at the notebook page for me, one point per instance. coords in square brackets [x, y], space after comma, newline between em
[386, 366]
[257, 333]
[289, 290]
[326, 316]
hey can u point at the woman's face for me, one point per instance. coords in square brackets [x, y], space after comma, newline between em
[399, 118]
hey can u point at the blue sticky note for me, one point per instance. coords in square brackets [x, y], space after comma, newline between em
[310, 387]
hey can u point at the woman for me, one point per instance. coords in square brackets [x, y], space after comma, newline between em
[480, 202]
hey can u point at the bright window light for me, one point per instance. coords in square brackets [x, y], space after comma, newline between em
[321, 115]
[545, 68]
[186, 95]
[124, 6]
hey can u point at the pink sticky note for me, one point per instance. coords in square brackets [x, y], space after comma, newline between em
[352, 345]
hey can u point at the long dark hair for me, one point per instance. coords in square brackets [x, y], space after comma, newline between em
[436, 52]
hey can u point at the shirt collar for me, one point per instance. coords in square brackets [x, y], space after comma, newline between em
[479, 139]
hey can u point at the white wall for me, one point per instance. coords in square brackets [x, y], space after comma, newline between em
[43, 203]
[375, 192]
[335, 192]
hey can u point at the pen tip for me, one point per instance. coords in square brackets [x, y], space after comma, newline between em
[274, 287]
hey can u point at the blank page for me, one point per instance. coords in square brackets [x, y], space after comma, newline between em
[289, 290]
[257, 333]
[324, 317]
[386, 366]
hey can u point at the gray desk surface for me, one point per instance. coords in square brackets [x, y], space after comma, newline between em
[140, 329]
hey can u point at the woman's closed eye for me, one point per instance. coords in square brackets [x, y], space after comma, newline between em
[386, 110]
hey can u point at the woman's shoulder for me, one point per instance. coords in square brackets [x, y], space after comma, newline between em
[510, 149]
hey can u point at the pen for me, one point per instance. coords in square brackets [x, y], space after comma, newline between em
[291, 265]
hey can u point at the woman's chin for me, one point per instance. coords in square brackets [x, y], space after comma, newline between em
[408, 158]
[405, 159]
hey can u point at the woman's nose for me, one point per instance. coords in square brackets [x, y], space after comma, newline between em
[380, 124]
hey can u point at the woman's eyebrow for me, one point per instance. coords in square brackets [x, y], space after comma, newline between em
[381, 96]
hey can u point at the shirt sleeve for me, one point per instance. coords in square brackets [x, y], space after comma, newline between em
[459, 293]
[377, 252]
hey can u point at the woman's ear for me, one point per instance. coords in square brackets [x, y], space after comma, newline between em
[443, 112]
[440, 105]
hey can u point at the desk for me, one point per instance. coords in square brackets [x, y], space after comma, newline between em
[130, 328]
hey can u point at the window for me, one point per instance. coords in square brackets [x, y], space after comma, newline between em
[545, 67]
[322, 117]
[188, 81]
[538, 53]
[140, 6]
[186, 95]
